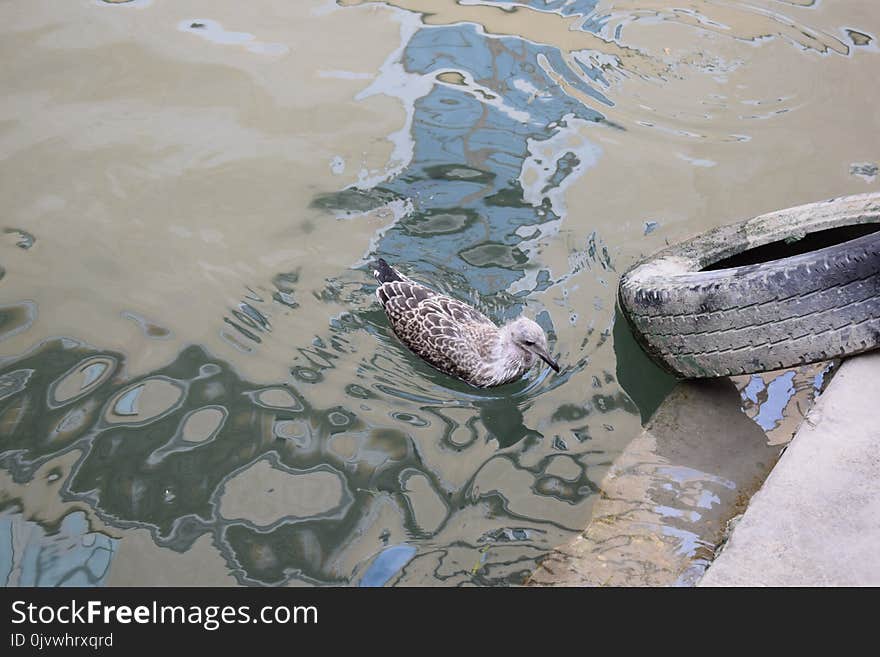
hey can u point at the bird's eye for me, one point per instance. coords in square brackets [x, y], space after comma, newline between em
[529, 343]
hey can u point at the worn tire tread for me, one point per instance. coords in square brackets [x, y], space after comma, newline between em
[811, 307]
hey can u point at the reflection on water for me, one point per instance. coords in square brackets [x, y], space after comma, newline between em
[281, 485]
[65, 555]
[190, 343]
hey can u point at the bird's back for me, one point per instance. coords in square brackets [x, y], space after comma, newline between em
[451, 335]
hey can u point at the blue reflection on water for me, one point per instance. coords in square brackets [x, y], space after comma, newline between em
[70, 556]
[504, 99]
[387, 564]
[564, 7]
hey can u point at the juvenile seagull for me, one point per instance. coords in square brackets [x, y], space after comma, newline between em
[455, 338]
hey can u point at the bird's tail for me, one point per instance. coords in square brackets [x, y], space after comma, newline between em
[385, 273]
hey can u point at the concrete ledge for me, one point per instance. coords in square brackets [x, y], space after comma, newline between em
[816, 519]
[665, 503]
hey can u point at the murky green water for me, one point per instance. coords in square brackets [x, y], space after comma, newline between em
[197, 386]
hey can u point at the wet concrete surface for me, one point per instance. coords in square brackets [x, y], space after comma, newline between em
[665, 504]
[816, 520]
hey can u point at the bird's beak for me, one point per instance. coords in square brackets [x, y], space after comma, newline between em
[543, 355]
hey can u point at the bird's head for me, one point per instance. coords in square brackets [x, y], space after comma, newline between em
[530, 337]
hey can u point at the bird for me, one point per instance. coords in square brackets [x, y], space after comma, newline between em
[456, 338]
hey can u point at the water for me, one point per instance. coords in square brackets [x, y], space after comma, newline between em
[197, 386]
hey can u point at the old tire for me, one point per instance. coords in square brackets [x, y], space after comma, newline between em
[698, 320]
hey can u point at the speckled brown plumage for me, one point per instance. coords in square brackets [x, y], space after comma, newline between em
[451, 335]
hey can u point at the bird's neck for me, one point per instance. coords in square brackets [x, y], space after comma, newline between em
[506, 360]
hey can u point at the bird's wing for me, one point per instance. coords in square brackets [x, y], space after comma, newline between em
[408, 301]
[442, 330]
